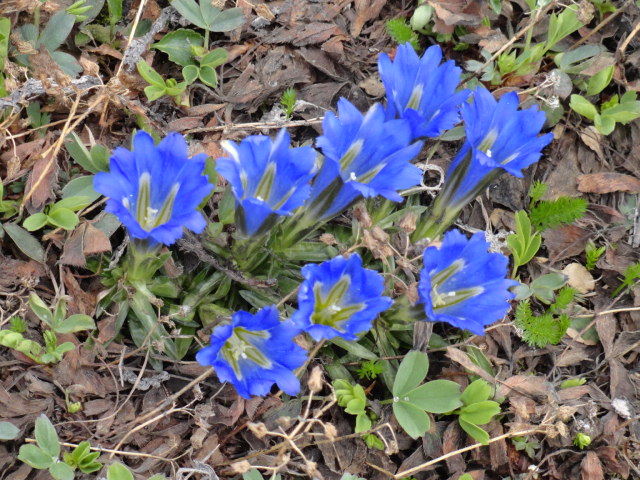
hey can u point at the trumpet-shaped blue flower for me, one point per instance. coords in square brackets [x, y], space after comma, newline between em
[268, 179]
[339, 298]
[499, 138]
[421, 90]
[155, 191]
[463, 284]
[254, 352]
[365, 156]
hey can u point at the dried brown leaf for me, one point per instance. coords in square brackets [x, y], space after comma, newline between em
[366, 10]
[607, 182]
[591, 467]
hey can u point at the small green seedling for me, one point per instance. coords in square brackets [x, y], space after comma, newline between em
[370, 369]
[631, 276]
[477, 409]
[288, 102]
[59, 215]
[526, 445]
[45, 454]
[593, 254]
[623, 110]
[159, 87]
[524, 243]
[582, 440]
[58, 321]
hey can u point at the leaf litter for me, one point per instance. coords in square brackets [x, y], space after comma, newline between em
[325, 50]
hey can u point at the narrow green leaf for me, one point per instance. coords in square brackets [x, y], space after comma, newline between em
[215, 57]
[26, 242]
[475, 431]
[40, 309]
[76, 323]
[150, 75]
[411, 372]
[354, 348]
[115, 11]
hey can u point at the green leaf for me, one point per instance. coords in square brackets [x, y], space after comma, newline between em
[115, 11]
[67, 63]
[604, 125]
[81, 187]
[8, 431]
[64, 218]
[177, 45]
[117, 471]
[150, 75]
[76, 148]
[523, 244]
[190, 10]
[5, 28]
[35, 457]
[475, 431]
[413, 420]
[363, 423]
[477, 391]
[40, 309]
[56, 31]
[35, 222]
[154, 92]
[624, 112]
[190, 73]
[548, 214]
[46, 436]
[26, 242]
[226, 20]
[354, 348]
[215, 58]
[478, 358]
[480, 413]
[599, 81]
[411, 372]
[76, 323]
[437, 396]
[583, 106]
[576, 60]
[562, 25]
[72, 203]
[61, 471]
[208, 76]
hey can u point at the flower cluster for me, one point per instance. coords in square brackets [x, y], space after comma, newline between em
[283, 193]
[338, 298]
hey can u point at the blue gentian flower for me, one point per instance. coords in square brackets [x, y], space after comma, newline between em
[365, 156]
[155, 191]
[421, 90]
[254, 352]
[499, 138]
[268, 179]
[339, 298]
[463, 284]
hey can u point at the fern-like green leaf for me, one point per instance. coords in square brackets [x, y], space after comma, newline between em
[540, 331]
[400, 31]
[564, 297]
[537, 191]
[561, 211]
[631, 275]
